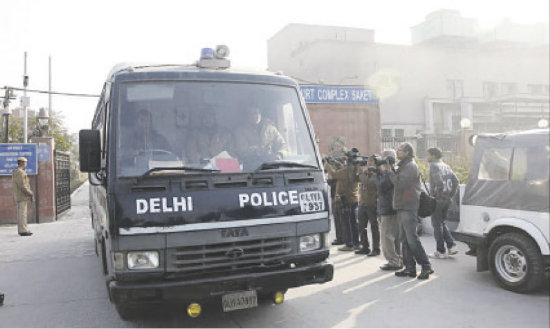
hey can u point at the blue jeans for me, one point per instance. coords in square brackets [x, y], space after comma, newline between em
[441, 232]
[411, 247]
[349, 225]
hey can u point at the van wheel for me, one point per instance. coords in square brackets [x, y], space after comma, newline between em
[516, 262]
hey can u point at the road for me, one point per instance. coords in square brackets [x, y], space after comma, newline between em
[53, 279]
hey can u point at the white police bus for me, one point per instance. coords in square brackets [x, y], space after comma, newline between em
[206, 184]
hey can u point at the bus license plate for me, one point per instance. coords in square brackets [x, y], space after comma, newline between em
[312, 201]
[239, 300]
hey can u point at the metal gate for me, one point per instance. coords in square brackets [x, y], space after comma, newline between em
[62, 182]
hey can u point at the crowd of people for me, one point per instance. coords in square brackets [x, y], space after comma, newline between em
[383, 194]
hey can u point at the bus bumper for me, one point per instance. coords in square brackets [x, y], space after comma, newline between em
[143, 292]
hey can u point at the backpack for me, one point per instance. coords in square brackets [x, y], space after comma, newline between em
[427, 202]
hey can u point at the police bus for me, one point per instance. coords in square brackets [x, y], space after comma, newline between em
[205, 184]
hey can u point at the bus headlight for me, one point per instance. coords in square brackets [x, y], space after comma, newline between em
[310, 242]
[140, 260]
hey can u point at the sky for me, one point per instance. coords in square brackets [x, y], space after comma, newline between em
[86, 38]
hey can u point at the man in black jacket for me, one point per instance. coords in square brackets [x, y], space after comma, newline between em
[406, 200]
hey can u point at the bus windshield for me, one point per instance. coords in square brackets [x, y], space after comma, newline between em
[226, 127]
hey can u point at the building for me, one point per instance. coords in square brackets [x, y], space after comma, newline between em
[454, 76]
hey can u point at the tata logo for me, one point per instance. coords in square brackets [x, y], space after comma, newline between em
[234, 232]
[235, 253]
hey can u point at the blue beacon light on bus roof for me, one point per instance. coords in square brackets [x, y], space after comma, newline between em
[214, 59]
[207, 53]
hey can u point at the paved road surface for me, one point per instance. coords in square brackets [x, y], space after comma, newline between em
[53, 279]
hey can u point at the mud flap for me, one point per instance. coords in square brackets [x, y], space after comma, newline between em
[482, 257]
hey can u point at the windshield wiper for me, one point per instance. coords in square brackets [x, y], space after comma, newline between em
[152, 170]
[288, 164]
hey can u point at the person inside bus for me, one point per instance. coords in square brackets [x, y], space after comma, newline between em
[141, 138]
[258, 140]
[208, 139]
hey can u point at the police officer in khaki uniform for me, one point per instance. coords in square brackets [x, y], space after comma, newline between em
[258, 140]
[22, 194]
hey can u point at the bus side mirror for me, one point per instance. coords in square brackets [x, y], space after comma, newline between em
[90, 150]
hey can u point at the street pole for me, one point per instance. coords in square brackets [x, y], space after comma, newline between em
[50, 86]
[25, 83]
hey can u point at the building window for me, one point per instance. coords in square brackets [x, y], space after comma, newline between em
[509, 88]
[386, 133]
[455, 89]
[535, 89]
[490, 89]
[399, 132]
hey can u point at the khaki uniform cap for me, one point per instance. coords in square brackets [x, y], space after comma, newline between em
[22, 159]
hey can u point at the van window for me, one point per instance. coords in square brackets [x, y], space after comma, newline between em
[495, 164]
[531, 163]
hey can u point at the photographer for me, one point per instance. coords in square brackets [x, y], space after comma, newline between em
[406, 200]
[336, 187]
[443, 186]
[347, 196]
[367, 209]
[389, 228]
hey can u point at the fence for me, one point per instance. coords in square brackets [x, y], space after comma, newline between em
[62, 182]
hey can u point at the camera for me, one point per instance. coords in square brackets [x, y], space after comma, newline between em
[334, 160]
[382, 161]
[355, 158]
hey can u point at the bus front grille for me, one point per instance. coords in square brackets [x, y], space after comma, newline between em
[228, 258]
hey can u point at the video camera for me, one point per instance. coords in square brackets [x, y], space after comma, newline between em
[386, 160]
[351, 157]
[354, 158]
[335, 160]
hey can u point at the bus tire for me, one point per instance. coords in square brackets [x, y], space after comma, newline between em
[516, 263]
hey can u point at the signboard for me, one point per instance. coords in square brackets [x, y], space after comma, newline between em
[9, 154]
[338, 95]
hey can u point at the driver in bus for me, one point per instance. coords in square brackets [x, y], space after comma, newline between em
[258, 138]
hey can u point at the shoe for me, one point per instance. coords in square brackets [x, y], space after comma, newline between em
[389, 267]
[437, 255]
[356, 248]
[337, 243]
[452, 250]
[29, 233]
[425, 274]
[363, 251]
[406, 273]
[345, 248]
[375, 252]
[471, 252]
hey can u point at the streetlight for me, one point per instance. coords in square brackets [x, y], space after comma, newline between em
[43, 119]
[465, 123]
[543, 123]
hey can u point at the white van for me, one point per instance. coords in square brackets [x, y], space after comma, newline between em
[504, 213]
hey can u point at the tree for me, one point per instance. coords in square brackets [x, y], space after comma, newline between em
[57, 130]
